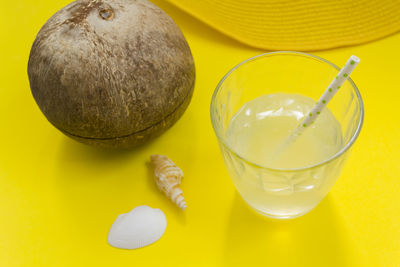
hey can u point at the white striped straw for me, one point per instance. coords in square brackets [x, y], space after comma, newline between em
[332, 89]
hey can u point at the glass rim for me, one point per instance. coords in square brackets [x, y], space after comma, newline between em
[331, 158]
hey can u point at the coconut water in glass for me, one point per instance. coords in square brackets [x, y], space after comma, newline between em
[257, 105]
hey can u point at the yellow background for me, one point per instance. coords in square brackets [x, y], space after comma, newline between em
[58, 198]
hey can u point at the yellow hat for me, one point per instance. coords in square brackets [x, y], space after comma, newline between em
[298, 24]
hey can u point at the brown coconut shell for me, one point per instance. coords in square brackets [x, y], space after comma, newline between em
[111, 73]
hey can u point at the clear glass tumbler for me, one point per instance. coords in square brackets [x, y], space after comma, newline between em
[284, 193]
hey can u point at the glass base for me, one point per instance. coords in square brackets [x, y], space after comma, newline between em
[281, 216]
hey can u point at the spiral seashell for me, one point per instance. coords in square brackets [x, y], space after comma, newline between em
[168, 177]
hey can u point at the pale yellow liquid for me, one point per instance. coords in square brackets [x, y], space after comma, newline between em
[257, 132]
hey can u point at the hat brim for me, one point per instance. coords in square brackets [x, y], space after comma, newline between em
[298, 25]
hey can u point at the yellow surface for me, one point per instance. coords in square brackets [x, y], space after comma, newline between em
[58, 198]
[298, 25]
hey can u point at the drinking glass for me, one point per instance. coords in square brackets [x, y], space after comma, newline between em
[291, 192]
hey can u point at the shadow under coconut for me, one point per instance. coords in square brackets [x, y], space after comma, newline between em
[95, 174]
[311, 240]
[75, 151]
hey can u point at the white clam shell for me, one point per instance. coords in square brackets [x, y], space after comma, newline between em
[140, 227]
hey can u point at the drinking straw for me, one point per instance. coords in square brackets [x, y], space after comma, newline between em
[332, 89]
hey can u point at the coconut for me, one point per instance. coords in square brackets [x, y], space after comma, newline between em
[111, 73]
